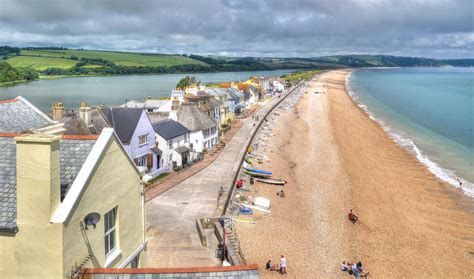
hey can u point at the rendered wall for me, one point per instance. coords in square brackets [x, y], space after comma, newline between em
[143, 127]
[36, 250]
[114, 183]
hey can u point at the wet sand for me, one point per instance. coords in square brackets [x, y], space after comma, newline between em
[335, 158]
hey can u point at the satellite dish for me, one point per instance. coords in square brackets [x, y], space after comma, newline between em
[92, 219]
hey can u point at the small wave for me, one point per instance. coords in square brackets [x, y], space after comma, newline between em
[444, 174]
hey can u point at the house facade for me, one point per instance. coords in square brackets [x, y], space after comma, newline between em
[137, 135]
[173, 140]
[227, 104]
[68, 202]
[203, 129]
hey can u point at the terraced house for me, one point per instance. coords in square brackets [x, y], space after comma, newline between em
[66, 201]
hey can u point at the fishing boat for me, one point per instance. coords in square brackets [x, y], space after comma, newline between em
[272, 181]
[257, 171]
[257, 174]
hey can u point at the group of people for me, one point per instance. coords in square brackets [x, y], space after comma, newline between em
[281, 268]
[354, 269]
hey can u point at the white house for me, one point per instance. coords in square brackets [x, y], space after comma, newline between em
[204, 133]
[173, 141]
[277, 86]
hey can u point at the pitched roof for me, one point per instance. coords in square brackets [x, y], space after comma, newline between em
[74, 125]
[169, 129]
[194, 119]
[123, 120]
[73, 153]
[18, 115]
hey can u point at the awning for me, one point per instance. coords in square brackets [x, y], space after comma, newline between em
[156, 150]
[181, 149]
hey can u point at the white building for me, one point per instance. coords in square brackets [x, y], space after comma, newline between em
[173, 141]
[204, 133]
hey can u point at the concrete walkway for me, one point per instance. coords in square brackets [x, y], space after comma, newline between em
[173, 239]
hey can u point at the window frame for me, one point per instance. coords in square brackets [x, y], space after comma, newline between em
[110, 230]
[140, 137]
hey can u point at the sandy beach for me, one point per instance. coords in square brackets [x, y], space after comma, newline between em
[335, 158]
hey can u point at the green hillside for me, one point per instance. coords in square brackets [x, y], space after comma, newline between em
[119, 58]
[41, 63]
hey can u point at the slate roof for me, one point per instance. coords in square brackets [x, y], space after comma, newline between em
[123, 120]
[194, 119]
[169, 129]
[72, 157]
[157, 116]
[18, 115]
[74, 125]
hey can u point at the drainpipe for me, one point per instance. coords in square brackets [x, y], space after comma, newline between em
[142, 192]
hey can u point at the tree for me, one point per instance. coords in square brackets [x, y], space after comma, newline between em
[186, 82]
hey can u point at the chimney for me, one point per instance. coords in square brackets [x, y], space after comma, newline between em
[38, 177]
[58, 111]
[85, 113]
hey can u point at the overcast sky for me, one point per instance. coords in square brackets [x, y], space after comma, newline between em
[301, 28]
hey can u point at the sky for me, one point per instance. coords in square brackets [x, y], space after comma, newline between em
[266, 28]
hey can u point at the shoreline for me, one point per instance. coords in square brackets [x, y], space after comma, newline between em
[442, 173]
[336, 158]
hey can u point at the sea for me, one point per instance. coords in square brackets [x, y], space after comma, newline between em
[114, 90]
[428, 111]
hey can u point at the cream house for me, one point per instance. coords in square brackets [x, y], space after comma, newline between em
[68, 202]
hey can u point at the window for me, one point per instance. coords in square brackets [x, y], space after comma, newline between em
[213, 130]
[171, 157]
[170, 144]
[143, 139]
[206, 133]
[141, 161]
[110, 237]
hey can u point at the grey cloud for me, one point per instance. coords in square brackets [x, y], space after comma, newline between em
[439, 28]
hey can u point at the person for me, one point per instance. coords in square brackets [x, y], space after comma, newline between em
[221, 193]
[361, 271]
[276, 267]
[355, 270]
[344, 266]
[268, 266]
[283, 265]
[281, 194]
[460, 182]
[352, 217]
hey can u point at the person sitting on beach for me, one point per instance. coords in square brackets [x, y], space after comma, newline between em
[344, 267]
[352, 217]
[281, 194]
[361, 271]
[276, 267]
[268, 266]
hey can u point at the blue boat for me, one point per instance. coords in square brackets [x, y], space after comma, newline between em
[258, 171]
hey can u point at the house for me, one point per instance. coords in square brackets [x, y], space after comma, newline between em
[203, 129]
[68, 202]
[173, 140]
[206, 103]
[133, 104]
[239, 100]
[136, 133]
[19, 115]
[227, 104]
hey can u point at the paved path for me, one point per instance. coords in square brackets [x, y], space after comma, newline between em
[173, 239]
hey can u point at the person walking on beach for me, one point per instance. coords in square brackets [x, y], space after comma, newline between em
[220, 194]
[460, 182]
[283, 265]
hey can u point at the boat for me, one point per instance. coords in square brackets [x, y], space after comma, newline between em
[257, 171]
[272, 181]
[262, 202]
[256, 174]
[245, 210]
[255, 208]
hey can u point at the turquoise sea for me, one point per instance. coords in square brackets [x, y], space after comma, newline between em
[429, 111]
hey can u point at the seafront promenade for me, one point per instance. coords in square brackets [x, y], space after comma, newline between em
[173, 239]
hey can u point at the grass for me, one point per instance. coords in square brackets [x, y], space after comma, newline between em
[305, 75]
[120, 58]
[40, 63]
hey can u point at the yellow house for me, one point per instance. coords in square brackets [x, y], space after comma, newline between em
[68, 202]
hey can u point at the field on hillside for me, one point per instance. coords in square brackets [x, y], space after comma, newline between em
[41, 63]
[120, 58]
